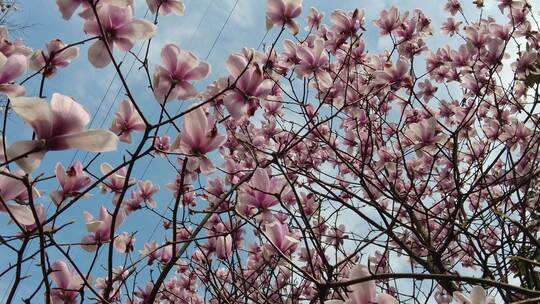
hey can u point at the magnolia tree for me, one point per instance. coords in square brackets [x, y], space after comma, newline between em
[313, 171]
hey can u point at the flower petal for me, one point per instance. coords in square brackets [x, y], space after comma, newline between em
[98, 55]
[36, 112]
[30, 161]
[69, 115]
[93, 140]
[22, 214]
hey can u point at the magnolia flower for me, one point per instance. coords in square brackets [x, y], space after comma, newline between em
[67, 282]
[314, 19]
[388, 20]
[363, 293]
[58, 126]
[172, 81]
[347, 23]
[71, 182]
[146, 191]
[223, 246]
[199, 137]
[11, 68]
[394, 74]
[311, 60]
[261, 189]
[14, 189]
[127, 120]
[282, 13]
[57, 56]
[425, 133]
[280, 236]
[166, 7]
[477, 296]
[250, 86]
[119, 27]
[124, 242]
[100, 229]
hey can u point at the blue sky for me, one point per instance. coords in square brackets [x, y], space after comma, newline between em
[88, 85]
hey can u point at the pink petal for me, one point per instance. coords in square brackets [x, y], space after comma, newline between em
[93, 140]
[69, 115]
[36, 112]
[61, 274]
[31, 161]
[98, 55]
[22, 214]
[67, 7]
[362, 292]
[199, 72]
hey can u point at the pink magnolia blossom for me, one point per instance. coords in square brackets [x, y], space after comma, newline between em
[394, 74]
[119, 27]
[146, 192]
[477, 296]
[388, 20]
[172, 80]
[311, 60]
[224, 246]
[58, 126]
[11, 68]
[364, 293]
[124, 243]
[71, 181]
[250, 86]
[199, 137]
[100, 228]
[425, 133]
[58, 56]
[282, 13]
[280, 236]
[314, 19]
[115, 181]
[261, 191]
[12, 189]
[126, 121]
[67, 283]
[347, 23]
[451, 26]
[166, 7]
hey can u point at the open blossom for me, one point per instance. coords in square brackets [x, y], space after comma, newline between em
[146, 191]
[311, 60]
[166, 7]
[477, 296]
[363, 293]
[71, 181]
[314, 19]
[14, 189]
[388, 20]
[100, 228]
[124, 242]
[173, 80]
[115, 181]
[57, 56]
[58, 126]
[199, 137]
[261, 190]
[250, 86]
[282, 13]
[67, 283]
[396, 74]
[425, 132]
[127, 120]
[119, 28]
[11, 68]
[280, 236]
[347, 23]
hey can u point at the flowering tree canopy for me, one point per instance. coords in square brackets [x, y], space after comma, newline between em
[318, 168]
